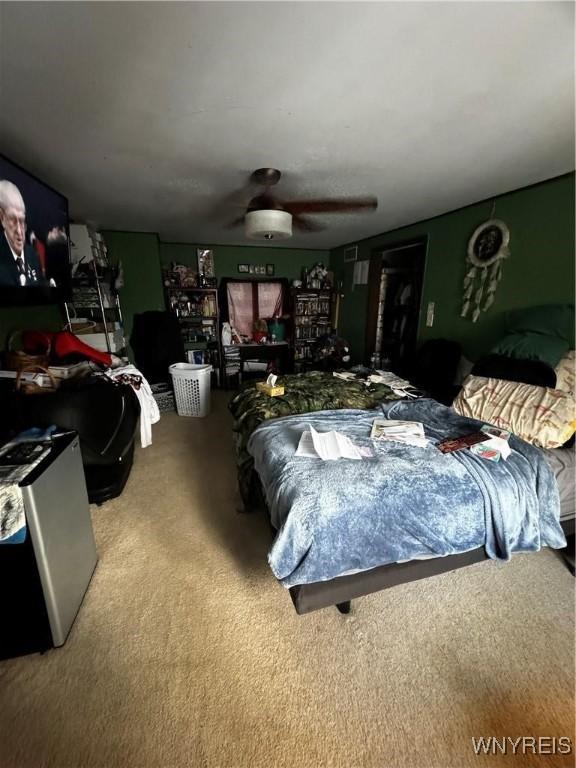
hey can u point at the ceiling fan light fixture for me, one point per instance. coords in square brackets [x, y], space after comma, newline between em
[268, 225]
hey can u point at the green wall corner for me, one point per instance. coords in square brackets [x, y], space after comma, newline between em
[540, 269]
[139, 253]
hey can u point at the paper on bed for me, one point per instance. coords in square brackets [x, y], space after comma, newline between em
[327, 446]
[409, 432]
[398, 385]
[345, 375]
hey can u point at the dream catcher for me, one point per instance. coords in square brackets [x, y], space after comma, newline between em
[487, 248]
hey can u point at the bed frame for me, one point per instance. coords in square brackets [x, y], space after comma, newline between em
[343, 589]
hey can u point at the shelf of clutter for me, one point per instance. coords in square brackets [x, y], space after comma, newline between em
[94, 312]
[193, 298]
[312, 314]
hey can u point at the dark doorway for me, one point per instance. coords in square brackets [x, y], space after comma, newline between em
[394, 296]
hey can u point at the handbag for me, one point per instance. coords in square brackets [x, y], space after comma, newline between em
[15, 359]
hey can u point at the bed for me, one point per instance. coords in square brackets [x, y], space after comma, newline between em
[346, 528]
[259, 426]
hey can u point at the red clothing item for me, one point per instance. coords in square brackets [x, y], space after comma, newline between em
[61, 344]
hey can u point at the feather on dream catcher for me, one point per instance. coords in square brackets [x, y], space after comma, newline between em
[487, 248]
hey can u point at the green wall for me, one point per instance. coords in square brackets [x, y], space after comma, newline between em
[47, 318]
[288, 262]
[139, 253]
[540, 269]
[143, 256]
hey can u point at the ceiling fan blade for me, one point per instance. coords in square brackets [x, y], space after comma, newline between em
[331, 205]
[265, 201]
[304, 224]
[234, 202]
[235, 223]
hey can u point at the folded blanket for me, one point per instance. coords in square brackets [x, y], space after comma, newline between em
[341, 517]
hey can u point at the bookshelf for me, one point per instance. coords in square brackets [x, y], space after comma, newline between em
[311, 314]
[198, 315]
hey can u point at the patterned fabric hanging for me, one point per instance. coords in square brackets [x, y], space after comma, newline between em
[487, 247]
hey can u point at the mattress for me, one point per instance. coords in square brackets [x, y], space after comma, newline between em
[562, 462]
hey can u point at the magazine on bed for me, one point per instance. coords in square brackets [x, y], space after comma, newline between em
[409, 432]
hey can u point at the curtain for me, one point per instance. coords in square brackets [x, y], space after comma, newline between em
[250, 300]
[269, 299]
[240, 307]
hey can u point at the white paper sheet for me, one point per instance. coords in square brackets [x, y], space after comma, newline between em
[410, 432]
[328, 446]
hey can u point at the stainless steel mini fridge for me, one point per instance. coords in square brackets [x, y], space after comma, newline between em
[50, 571]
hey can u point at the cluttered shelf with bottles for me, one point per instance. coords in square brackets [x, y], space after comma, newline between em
[193, 298]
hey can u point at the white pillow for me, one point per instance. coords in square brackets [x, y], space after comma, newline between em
[542, 416]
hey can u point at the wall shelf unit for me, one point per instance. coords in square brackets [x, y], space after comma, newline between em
[198, 314]
[94, 312]
[312, 318]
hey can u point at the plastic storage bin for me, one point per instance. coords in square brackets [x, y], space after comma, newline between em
[191, 388]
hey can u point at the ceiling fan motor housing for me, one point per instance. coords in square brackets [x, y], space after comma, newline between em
[268, 225]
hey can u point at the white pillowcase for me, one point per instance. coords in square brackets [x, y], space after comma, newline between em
[542, 416]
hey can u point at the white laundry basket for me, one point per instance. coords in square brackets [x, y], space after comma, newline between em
[191, 388]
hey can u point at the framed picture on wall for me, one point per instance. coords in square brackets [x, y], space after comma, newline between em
[351, 253]
[252, 269]
[205, 262]
[270, 270]
[242, 267]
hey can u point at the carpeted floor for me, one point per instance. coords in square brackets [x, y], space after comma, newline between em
[187, 653]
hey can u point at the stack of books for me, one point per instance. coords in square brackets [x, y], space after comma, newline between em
[408, 432]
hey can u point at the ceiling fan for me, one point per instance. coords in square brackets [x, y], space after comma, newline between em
[268, 217]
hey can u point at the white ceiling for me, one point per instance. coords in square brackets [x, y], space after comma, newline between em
[149, 115]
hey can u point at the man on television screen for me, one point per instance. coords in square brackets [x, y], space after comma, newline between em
[19, 262]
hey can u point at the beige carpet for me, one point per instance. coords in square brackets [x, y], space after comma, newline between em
[187, 652]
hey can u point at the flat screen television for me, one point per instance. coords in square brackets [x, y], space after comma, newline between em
[34, 239]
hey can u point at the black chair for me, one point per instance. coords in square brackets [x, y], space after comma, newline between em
[157, 343]
[434, 369]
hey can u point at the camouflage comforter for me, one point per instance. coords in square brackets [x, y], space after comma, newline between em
[304, 393]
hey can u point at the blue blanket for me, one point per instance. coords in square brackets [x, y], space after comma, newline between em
[341, 517]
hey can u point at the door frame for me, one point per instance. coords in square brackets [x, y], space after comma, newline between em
[374, 271]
